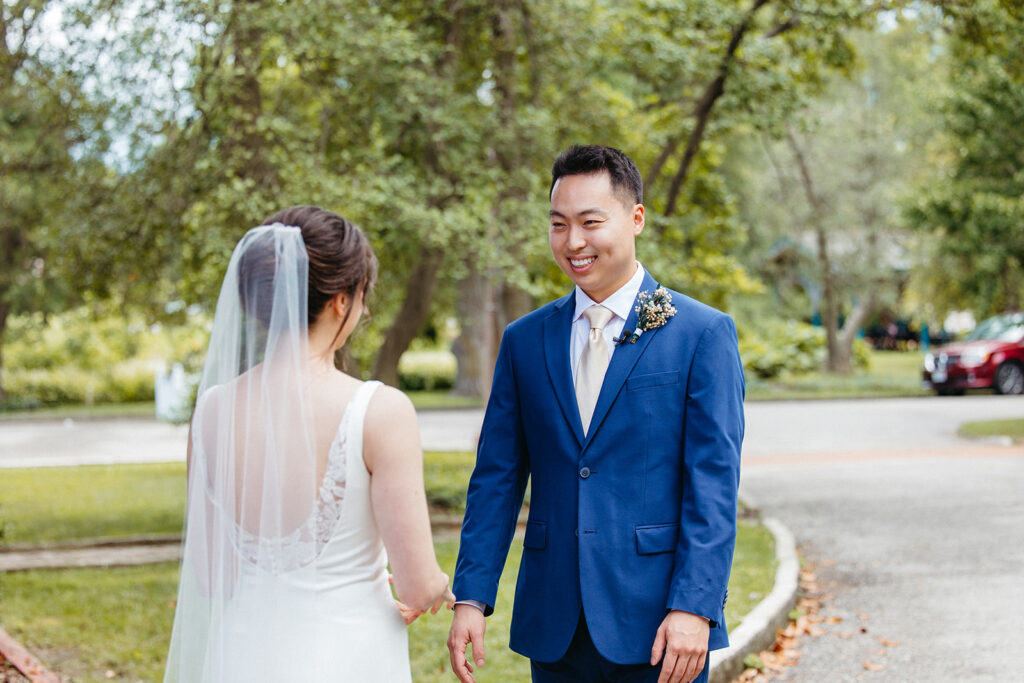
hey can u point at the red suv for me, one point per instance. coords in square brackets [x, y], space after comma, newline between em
[990, 356]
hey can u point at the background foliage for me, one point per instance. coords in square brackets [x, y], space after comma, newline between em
[822, 162]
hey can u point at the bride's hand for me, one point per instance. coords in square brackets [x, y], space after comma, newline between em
[447, 600]
[409, 614]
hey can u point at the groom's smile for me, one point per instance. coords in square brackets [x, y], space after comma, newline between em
[581, 265]
[593, 231]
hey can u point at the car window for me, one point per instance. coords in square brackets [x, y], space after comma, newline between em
[1000, 328]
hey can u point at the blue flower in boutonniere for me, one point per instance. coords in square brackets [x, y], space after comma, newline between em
[652, 311]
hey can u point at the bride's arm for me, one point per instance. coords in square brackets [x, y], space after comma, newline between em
[392, 453]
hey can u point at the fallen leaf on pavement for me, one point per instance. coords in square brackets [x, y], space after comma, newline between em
[784, 653]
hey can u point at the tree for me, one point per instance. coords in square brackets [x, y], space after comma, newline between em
[432, 125]
[841, 174]
[972, 219]
[45, 125]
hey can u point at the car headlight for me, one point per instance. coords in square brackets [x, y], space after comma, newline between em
[972, 359]
[929, 362]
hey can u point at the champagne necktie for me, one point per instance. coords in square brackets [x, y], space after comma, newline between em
[593, 364]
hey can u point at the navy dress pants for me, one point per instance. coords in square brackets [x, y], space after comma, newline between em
[582, 663]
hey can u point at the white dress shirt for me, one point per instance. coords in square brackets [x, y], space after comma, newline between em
[620, 303]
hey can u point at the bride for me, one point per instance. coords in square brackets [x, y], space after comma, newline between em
[304, 483]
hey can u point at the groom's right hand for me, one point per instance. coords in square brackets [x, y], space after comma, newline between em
[468, 626]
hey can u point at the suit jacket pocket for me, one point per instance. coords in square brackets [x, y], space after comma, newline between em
[652, 539]
[652, 380]
[536, 535]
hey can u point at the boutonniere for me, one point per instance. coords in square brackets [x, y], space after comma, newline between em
[652, 311]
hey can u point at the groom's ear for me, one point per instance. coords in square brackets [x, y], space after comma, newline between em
[638, 219]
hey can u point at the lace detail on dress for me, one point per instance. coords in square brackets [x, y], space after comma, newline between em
[332, 488]
[302, 546]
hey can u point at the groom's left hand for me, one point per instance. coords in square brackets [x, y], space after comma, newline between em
[683, 639]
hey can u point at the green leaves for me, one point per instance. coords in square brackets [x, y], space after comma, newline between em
[972, 219]
[431, 124]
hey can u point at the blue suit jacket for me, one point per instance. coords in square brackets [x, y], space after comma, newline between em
[634, 519]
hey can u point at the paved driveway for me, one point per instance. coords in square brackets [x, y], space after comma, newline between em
[917, 534]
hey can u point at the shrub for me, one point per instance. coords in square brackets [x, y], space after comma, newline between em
[82, 357]
[426, 370]
[121, 383]
[777, 347]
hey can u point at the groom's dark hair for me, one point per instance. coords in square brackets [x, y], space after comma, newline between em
[586, 159]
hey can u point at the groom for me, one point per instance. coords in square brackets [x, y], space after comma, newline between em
[629, 428]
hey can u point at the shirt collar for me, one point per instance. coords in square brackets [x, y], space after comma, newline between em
[618, 303]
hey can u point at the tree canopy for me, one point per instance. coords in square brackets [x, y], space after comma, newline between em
[136, 155]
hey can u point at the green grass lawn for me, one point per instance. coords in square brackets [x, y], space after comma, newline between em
[95, 625]
[890, 374]
[52, 504]
[430, 400]
[85, 623]
[78, 411]
[1011, 428]
[48, 504]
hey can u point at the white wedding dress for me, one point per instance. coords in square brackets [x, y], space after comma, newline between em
[339, 607]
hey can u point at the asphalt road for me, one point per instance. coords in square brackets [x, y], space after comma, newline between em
[918, 535]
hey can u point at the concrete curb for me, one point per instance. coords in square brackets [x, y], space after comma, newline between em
[757, 630]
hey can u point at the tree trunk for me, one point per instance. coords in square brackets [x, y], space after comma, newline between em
[5, 310]
[412, 316]
[829, 295]
[485, 308]
[829, 305]
[865, 306]
[513, 303]
[473, 347]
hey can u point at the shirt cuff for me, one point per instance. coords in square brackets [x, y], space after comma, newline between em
[475, 603]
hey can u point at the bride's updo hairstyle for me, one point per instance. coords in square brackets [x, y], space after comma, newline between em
[341, 260]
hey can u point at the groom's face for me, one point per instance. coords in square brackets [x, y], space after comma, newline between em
[592, 233]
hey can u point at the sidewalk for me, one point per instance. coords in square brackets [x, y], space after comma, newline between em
[62, 443]
[107, 555]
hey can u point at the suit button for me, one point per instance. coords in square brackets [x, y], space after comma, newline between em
[584, 472]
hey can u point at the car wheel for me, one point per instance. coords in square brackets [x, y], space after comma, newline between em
[1009, 378]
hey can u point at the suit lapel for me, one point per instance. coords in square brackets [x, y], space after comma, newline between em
[557, 328]
[622, 362]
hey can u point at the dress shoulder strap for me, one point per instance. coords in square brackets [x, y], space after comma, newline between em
[356, 419]
[361, 400]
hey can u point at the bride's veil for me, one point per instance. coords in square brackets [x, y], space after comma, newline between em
[254, 467]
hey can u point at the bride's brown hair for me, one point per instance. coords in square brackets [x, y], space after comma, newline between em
[340, 257]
